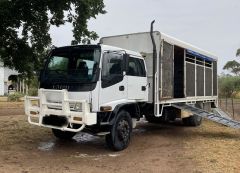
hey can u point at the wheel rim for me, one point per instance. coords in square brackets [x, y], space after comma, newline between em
[123, 131]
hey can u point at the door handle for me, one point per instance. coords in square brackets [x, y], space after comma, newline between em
[143, 88]
[121, 88]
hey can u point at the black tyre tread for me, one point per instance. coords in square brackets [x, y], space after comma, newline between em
[185, 121]
[111, 138]
[193, 121]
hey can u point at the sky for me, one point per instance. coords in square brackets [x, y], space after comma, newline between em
[213, 25]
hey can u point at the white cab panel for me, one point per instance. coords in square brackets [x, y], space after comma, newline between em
[137, 88]
[113, 93]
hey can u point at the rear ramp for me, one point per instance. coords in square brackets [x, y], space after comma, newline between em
[217, 116]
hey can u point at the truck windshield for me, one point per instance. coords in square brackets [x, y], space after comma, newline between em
[74, 65]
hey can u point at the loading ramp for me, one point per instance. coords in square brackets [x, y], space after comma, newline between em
[217, 115]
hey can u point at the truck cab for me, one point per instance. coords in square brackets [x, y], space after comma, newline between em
[95, 88]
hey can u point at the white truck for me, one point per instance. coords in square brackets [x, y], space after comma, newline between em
[105, 89]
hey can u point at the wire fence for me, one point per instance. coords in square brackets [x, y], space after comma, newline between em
[232, 107]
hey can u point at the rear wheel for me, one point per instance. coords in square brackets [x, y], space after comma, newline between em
[193, 120]
[120, 133]
[66, 135]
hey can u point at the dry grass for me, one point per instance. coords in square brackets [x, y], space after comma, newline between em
[215, 149]
[208, 148]
[11, 104]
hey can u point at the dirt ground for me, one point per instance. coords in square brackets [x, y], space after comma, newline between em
[154, 148]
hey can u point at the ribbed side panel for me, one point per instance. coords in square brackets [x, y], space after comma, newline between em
[190, 80]
[208, 82]
[200, 81]
[167, 71]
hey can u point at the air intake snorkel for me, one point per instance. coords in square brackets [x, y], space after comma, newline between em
[154, 62]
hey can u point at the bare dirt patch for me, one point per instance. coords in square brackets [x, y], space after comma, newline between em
[154, 148]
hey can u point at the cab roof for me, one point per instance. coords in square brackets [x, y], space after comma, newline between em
[113, 48]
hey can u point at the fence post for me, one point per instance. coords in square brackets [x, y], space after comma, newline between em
[233, 108]
[226, 104]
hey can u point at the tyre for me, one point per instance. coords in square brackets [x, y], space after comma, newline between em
[193, 120]
[120, 133]
[63, 134]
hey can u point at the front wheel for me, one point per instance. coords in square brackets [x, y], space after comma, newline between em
[120, 133]
[66, 135]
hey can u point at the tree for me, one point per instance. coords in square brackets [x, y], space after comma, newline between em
[229, 86]
[233, 67]
[238, 52]
[25, 28]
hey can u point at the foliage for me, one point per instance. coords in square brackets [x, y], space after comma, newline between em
[229, 86]
[233, 67]
[33, 85]
[25, 28]
[33, 92]
[15, 97]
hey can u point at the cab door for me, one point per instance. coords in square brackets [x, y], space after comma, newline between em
[113, 89]
[137, 80]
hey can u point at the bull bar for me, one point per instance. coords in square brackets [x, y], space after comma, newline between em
[39, 107]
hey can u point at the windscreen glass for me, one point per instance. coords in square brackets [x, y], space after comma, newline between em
[74, 65]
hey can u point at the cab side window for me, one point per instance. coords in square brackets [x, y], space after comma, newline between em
[136, 67]
[112, 69]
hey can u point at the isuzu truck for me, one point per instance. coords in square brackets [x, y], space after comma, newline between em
[104, 89]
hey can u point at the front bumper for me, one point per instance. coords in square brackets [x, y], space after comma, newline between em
[37, 108]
